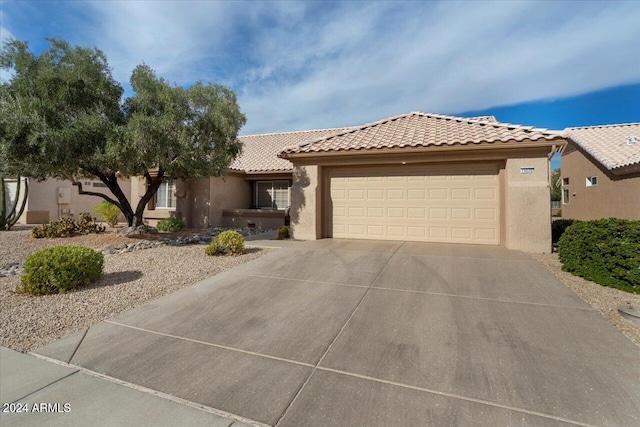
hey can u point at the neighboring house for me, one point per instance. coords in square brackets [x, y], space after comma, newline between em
[10, 188]
[601, 172]
[50, 199]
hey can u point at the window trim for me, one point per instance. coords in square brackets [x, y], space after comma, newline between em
[171, 186]
[565, 199]
[272, 182]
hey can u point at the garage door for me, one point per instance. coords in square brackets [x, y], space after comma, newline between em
[430, 205]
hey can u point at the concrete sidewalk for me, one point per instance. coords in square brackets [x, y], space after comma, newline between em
[74, 398]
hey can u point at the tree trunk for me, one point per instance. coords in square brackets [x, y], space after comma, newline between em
[111, 181]
[134, 219]
[152, 188]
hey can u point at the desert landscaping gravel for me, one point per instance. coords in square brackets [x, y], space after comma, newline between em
[605, 300]
[130, 279]
[133, 278]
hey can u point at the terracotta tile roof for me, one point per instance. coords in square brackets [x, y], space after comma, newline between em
[609, 144]
[419, 129]
[260, 152]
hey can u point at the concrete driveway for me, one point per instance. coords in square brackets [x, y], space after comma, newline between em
[364, 333]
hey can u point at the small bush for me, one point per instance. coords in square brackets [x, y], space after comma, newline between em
[226, 243]
[86, 224]
[61, 227]
[108, 212]
[605, 251]
[67, 227]
[170, 224]
[60, 268]
[558, 226]
[283, 232]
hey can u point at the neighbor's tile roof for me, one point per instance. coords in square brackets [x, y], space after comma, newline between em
[609, 144]
[260, 152]
[419, 129]
[484, 118]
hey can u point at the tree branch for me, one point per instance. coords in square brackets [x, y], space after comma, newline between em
[94, 193]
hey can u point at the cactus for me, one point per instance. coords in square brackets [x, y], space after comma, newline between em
[9, 216]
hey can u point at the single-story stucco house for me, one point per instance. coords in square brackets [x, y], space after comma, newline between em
[601, 172]
[416, 177]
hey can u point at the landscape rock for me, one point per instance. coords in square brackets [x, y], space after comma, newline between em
[136, 231]
[203, 238]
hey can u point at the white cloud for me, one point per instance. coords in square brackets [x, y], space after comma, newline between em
[298, 65]
[448, 58]
[169, 36]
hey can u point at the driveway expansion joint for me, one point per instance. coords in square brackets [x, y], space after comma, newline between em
[210, 344]
[456, 396]
[486, 299]
[500, 260]
[302, 280]
[306, 381]
[78, 346]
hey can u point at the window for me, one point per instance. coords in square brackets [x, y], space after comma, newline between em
[592, 180]
[99, 184]
[565, 196]
[565, 181]
[166, 195]
[272, 194]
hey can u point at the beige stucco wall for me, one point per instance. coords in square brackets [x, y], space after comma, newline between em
[261, 219]
[527, 205]
[306, 196]
[525, 199]
[153, 216]
[228, 192]
[197, 201]
[43, 206]
[613, 197]
[201, 202]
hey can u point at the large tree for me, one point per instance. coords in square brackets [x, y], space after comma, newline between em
[61, 116]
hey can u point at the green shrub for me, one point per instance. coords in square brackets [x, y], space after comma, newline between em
[605, 251]
[283, 232]
[67, 227]
[61, 227]
[108, 212]
[226, 243]
[558, 226]
[86, 224]
[60, 268]
[170, 224]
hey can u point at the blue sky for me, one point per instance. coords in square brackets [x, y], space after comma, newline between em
[304, 65]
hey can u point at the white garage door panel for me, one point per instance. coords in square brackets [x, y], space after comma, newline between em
[430, 205]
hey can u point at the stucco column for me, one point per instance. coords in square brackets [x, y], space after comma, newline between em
[528, 204]
[306, 202]
[183, 201]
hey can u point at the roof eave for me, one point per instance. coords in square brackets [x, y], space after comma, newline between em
[556, 141]
[626, 170]
[274, 171]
